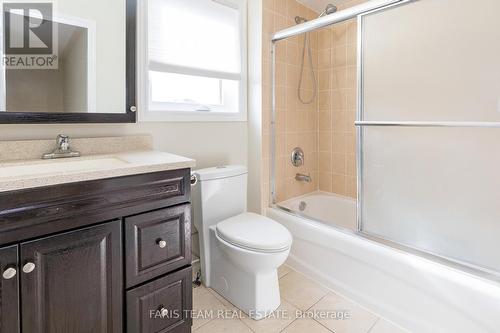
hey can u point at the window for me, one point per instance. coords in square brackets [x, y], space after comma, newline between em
[196, 60]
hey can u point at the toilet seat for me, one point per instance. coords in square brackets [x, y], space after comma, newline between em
[255, 233]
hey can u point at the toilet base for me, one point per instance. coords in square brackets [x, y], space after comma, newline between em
[247, 279]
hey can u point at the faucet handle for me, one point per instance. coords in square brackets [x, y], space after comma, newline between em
[297, 157]
[63, 142]
[62, 150]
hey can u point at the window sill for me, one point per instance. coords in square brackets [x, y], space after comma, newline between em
[167, 116]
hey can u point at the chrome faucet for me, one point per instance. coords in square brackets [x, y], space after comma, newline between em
[303, 178]
[63, 149]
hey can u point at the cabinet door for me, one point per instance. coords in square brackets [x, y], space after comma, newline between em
[73, 282]
[9, 290]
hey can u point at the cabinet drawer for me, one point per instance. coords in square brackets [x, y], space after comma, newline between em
[157, 242]
[170, 296]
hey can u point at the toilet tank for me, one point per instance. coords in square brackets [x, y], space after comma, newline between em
[221, 192]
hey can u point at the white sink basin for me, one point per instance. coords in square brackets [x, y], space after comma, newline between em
[60, 166]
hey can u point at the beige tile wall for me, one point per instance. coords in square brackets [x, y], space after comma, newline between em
[337, 138]
[324, 129]
[337, 109]
[296, 123]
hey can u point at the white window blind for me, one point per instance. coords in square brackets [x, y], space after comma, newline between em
[196, 56]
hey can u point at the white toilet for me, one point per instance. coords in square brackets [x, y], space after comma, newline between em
[240, 252]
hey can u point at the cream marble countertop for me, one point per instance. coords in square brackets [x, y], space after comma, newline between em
[24, 174]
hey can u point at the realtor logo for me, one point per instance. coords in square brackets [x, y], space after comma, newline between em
[29, 36]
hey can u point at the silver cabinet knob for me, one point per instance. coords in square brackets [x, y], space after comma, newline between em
[161, 243]
[29, 267]
[9, 273]
[163, 312]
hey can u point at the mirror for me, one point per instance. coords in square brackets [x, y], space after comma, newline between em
[68, 61]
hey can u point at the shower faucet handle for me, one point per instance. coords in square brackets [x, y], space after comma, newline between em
[297, 157]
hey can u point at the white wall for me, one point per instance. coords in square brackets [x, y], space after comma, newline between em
[254, 105]
[209, 143]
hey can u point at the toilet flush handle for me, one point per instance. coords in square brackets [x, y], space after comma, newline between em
[194, 179]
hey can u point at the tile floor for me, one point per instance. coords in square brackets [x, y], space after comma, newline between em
[299, 296]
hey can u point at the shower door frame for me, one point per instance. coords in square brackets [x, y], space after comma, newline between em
[359, 12]
[321, 22]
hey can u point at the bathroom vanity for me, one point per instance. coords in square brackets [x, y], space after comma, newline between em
[104, 254]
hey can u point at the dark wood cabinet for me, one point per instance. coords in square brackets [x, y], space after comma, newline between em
[9, 290]
[95, 256]
[160, 306]
[76, 282]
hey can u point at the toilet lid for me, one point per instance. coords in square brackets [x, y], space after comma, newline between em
[255, 232]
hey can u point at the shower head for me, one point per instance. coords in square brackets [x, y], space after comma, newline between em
[330, 9]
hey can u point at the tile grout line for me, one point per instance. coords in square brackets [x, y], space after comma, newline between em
[317, 303]
[285, 274]
[323, 297]
[305, 276]
[284, 328]
[323, 325]
[246, 325]
[303, 311]
[211, 319]
[330, 290]
[239, 319]
[197, 328]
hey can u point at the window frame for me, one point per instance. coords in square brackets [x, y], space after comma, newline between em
[144, 66]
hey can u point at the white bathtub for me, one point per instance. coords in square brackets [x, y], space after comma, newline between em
[328, 208]
[413, 292]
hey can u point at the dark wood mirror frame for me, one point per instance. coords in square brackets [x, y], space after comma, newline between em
[74, 118]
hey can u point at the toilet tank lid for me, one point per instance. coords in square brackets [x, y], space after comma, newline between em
[218, 172]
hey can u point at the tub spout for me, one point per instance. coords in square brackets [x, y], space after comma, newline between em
[303, 178]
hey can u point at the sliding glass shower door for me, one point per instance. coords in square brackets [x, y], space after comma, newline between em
[430, 128]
